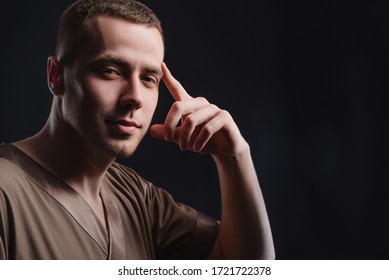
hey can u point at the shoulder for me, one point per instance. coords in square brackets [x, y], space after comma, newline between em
[9, 170]
[16, 171]
[14, 184]
[6, 165]
[10, 173]
[124, 174]
[126, 179]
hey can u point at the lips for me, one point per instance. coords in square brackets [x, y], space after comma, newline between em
[124, 127]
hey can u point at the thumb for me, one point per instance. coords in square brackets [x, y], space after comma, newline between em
[157, 131]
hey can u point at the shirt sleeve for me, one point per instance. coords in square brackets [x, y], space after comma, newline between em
[2, 249]
[175, 230]
[3, 255]
[179, 231]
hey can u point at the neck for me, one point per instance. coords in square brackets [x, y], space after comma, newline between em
[58, 148]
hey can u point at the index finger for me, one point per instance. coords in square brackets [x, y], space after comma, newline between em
[175, 88]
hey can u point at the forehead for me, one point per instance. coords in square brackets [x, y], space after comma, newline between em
[123, 38]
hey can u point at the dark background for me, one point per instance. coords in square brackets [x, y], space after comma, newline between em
[306, 81]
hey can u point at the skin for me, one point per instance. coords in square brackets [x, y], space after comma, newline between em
[103, 105]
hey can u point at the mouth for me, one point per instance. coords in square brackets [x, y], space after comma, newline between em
[124, 127]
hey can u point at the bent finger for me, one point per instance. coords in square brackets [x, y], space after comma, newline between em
[180, 110]
[194, 120]
[209, 130]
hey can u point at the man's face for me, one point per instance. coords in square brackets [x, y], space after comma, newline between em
[111, 89]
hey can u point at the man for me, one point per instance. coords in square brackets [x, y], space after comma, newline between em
[62, 196]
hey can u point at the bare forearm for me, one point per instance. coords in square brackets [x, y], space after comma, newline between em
[244, 229]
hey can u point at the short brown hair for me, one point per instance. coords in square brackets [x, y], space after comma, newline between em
[72, 27]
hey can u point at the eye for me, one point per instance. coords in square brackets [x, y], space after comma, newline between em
[110, 73]
[150, 80]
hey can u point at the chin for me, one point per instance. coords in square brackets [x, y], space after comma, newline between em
[114, 146]
[120, 150]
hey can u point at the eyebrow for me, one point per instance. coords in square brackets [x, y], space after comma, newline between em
[124, 64]
[154, 70]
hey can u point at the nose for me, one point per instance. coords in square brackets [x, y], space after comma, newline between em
[131, 95]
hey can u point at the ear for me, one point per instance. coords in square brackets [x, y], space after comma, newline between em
[55, 76]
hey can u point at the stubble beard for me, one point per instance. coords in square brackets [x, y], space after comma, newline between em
[116, 147]
[94, 134]
[121, 151]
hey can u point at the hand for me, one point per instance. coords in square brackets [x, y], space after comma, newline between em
[204, 127]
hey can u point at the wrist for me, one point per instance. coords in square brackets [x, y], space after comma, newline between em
[239, 152]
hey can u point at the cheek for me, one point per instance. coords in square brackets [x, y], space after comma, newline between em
[151, 103]
[99, 94]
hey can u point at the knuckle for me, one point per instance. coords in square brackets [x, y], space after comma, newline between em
[189, 122]
[213, 107]
[207, 129]
[176, 106]
[225, 114]
[202, 99]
